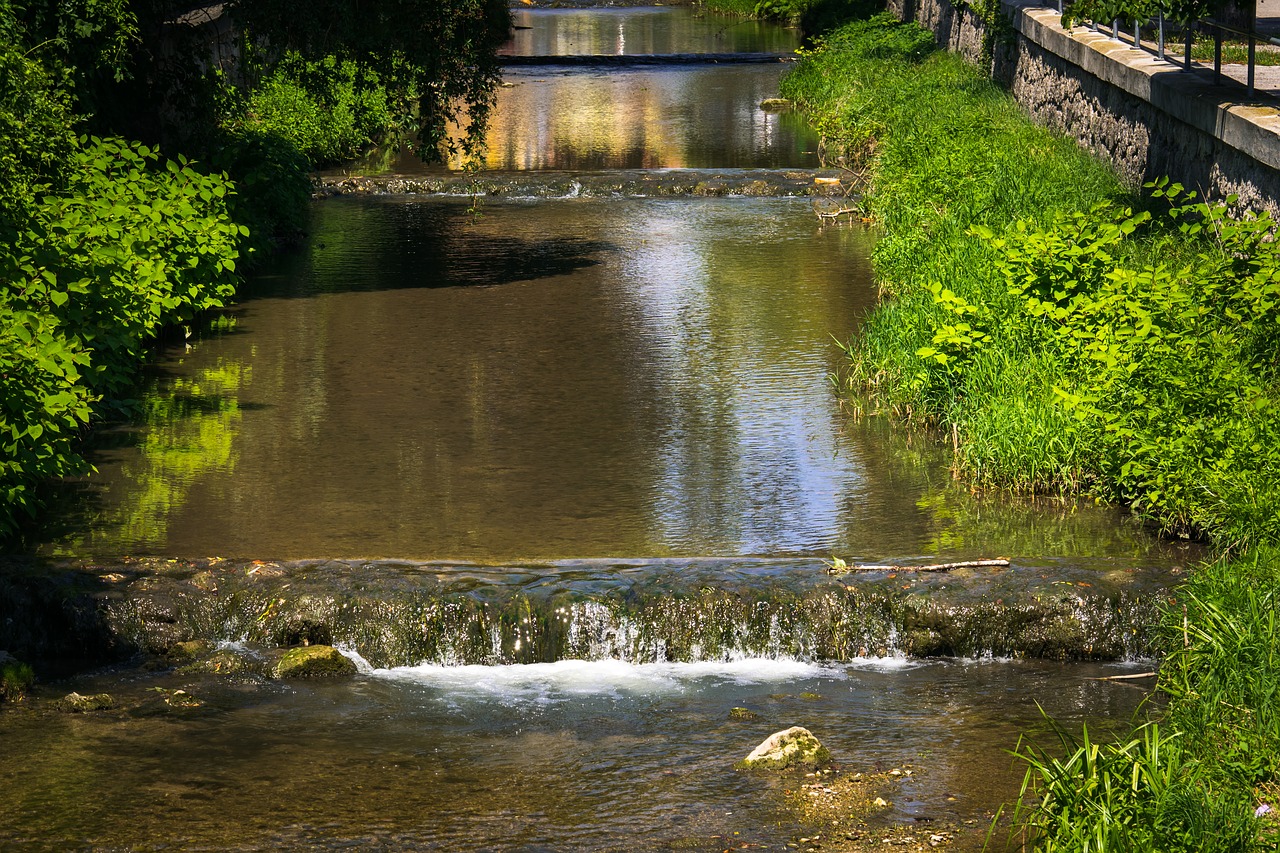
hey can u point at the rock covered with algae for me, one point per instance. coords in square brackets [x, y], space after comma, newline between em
[792, 747]
[77, 704]
[313, 662]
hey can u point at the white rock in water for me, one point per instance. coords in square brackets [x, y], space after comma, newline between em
[795, 746]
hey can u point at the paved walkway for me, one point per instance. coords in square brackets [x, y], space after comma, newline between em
[1268, 20]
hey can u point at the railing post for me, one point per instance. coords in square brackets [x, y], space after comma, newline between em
[1186, 58]
[1217, 56]
[1137, 35]
[1115, 28]
[1160, 35]
[1252, 57]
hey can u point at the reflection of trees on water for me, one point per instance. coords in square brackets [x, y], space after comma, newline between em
[186, 431]
[551, 379]
[652, 118]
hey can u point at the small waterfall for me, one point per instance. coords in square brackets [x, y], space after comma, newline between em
[397, 614]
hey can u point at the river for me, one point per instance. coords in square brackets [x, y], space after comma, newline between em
[558, 462]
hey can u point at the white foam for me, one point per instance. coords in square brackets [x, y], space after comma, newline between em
[890, 663]
[363, 666]
[580, 678]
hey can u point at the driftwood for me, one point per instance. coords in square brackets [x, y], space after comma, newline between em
[1151, 674]
[836, 213]
[838, 566]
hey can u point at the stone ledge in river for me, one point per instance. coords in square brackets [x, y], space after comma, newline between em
[313, 662]
[795, 746]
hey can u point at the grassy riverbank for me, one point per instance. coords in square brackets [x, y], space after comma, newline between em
[1074, 337]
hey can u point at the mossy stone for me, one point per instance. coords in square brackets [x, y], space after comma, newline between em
[223, 662]
[741, 714]
[77, 704]
[313, 662]
[189, 650]
[793, 747]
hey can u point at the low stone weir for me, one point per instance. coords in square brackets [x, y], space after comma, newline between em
[622, 59]
[397, 613]
[635, 183]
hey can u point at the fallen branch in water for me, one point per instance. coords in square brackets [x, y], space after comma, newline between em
[834, 214]
[1151, 674]
[838, 566]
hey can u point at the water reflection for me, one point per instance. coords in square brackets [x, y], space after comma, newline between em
[745, 437]
[642, 31]
[543, 380]
[635, 118]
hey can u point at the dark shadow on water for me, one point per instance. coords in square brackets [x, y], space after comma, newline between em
[401, 244]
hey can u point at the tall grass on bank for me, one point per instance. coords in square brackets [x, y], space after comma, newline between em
[1204, 778]
[949, 150]
[1075, 337]
[1069, 338]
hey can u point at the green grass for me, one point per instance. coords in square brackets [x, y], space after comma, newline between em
[1076, 337]
[1233, 52]
[1192, 781]
[813, 16]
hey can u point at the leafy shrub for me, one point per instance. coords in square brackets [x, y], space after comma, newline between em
[272, 184]
[329, 109]
[35, 119]
[128, 246]
[1171, 367]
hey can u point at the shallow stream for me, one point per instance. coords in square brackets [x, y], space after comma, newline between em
[551, 412]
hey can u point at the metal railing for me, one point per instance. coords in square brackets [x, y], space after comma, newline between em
[1217, 29]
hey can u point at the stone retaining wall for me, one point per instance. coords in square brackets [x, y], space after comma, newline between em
[1148, 117]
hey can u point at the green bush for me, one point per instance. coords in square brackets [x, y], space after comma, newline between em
[329, 110]
[16, 678]
[1170, 368]
[127, 246]
[273, 187]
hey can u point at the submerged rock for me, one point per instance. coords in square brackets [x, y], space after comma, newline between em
[793, 747]
[741, 714]
[16, 677]
[77, 704]
[313, 662]
[189, 650]
[224, 662]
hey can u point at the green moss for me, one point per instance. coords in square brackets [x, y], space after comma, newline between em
[794, 747]
[78, 704]
[313, 662]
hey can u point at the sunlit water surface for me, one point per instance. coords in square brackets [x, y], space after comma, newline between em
[566, 756]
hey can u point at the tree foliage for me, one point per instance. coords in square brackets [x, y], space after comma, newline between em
[103, 241]
[447, 47]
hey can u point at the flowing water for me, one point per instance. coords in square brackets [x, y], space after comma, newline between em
[560, 469]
